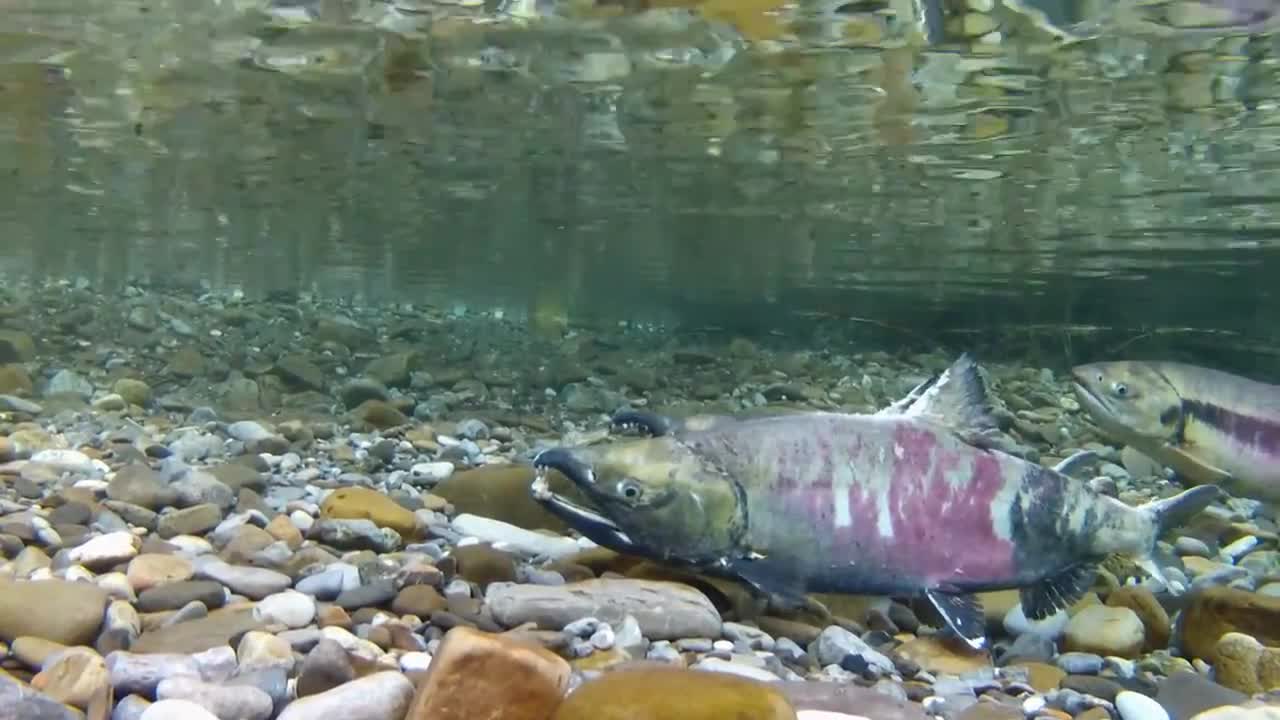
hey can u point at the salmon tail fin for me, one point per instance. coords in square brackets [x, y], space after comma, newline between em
[1170, 513]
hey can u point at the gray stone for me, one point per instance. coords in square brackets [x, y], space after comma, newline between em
[371, 595]
[201, 488]
[141, 672]
[139, 485]
[664, 611]
[354, 535]
[378, 696]
[253, 583]
[834, 643]
[172, 596]
[226, 702]
[325, 667]
[195, 520]
[22, 702]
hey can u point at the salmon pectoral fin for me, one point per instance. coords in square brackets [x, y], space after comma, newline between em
[779, 583]
[1193, 468]
[962, 612]
[1057, 592]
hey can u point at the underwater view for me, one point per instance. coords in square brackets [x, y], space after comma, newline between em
[640, 360]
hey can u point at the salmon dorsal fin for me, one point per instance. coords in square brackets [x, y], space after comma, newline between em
[959, 401]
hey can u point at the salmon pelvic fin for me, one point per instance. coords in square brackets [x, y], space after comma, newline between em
[959, 400]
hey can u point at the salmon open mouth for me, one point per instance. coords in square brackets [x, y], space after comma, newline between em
[593, 525]
[1088, 397]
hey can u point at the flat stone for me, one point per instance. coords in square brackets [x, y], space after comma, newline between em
[139, 485]
[665, 611]
[252, 582]
[65, 612]
[379, 696]
[224, 701]
[218, 629]
[848, 698]
[105, 551]
[152, 569]
[651, 692]
[194, 520]
[178, 594]
[177, 710]
[140, 673]
[1187, 693]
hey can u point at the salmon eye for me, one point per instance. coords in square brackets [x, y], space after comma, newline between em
[630, 489]
[1120, 389]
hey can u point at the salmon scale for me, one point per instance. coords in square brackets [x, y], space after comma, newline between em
[916, 503]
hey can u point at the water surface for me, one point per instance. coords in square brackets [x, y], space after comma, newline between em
[1066, 173]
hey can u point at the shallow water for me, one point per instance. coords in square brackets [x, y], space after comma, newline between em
[1097, 171]
[293, 292]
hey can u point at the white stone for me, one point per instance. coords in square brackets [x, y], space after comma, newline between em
[105, 550]
[176, 710]
[301, 520]
[431, 472]
[290, 608]
[1050, 628]
[515, 538]
[827, 715]
[190, 545]
[1136, 706]
[415, 661]
[714, 664]
[70, 461]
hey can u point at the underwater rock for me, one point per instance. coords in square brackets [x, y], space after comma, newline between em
[357, 503]
[661, 693]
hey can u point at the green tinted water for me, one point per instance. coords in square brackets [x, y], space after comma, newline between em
[1072, 172]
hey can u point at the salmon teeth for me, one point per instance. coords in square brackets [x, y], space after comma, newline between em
[540, 488]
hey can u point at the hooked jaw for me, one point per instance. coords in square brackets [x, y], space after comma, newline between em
[1096, 405]
[594, 526]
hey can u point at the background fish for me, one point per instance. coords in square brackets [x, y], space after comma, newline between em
[1208, 425]
[902, 502]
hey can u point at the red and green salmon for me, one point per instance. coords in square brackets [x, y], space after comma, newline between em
[909, 501]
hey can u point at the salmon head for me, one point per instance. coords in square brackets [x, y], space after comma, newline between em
[1131, 400]
[657, 498]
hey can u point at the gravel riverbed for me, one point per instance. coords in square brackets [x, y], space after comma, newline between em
[212, 507]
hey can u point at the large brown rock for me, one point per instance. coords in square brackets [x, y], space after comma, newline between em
[357, 503]
[667, 693]
[501, 492]
[1214, 612]
[65, 612]
[480, 676]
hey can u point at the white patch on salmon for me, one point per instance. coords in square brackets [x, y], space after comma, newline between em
[840, 486]
[898, 451]
[1002, 503]
[884, 518]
